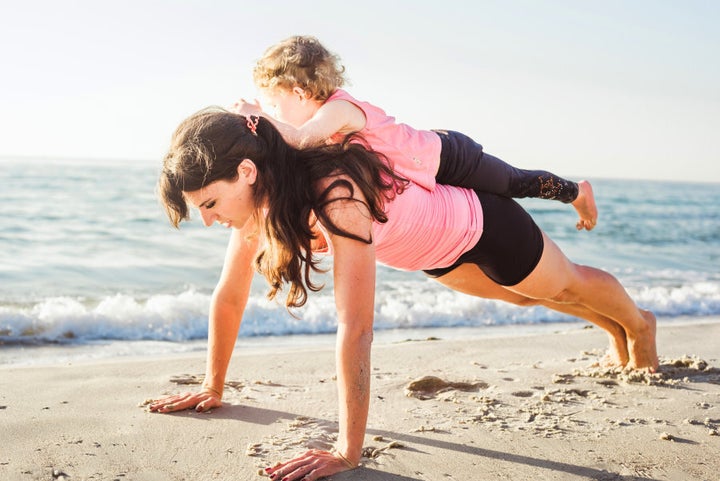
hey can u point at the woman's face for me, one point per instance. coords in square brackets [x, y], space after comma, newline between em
[230, 203]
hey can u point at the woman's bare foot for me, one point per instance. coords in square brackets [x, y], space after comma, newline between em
[617, 353]
[643, 348]
[585, 206]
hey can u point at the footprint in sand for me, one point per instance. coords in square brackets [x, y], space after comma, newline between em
[523, 394]
[427, 387]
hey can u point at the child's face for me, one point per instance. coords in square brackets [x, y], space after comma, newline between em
[289, 106]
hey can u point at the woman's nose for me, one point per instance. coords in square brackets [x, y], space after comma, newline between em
[207, 217]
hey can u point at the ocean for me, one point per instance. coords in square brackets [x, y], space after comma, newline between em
[90, 267]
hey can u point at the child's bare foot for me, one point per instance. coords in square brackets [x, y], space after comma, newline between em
[585, 206]
[643, 349]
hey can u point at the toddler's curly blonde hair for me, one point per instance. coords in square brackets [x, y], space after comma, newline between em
[300, 61]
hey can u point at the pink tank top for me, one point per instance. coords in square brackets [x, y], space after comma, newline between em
[414, 154]
[426, 229]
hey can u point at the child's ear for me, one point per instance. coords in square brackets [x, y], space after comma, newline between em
[247, 170]
[302, 93]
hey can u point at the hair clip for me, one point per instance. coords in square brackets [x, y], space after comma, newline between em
[252, 123]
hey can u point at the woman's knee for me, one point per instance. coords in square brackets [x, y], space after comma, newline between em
[577, 280]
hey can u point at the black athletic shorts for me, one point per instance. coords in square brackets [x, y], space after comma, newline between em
[510, 246]
[463, 163]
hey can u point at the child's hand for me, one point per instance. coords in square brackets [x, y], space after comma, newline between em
[243, 107]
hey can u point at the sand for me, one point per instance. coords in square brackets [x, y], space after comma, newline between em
[514, 407]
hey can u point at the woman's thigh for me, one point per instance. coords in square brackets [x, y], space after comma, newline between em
[553, 275]
[470, 279]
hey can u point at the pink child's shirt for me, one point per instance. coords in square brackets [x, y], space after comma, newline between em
[414, 154]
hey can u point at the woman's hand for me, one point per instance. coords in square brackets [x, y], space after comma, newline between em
[312, 465]
[202, 401]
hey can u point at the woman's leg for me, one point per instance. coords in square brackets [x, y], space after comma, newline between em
[557, 279]
[469, 279]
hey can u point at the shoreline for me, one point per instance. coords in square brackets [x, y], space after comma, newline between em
[51, 354]
[535, 408]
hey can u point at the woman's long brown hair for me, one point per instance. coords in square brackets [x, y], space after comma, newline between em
[209, 145]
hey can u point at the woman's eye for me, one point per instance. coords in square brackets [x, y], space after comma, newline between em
[210, 204]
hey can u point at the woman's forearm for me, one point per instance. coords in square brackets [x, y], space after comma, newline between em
[222, 333]
[228, 304]
[353, 378]
[354, 269]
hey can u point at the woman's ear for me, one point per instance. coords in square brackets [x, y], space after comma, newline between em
[247, 170]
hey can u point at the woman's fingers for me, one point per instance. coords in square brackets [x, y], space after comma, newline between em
[202, 402]
[312, 465]
[164, 402]
[176, 403]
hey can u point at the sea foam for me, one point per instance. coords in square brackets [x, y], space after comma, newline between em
[407, 305]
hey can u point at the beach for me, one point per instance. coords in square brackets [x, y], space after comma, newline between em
[525, 406]
[98, 317]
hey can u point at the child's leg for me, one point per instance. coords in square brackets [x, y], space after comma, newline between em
[463, 163]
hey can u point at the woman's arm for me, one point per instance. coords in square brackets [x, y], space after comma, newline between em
[227, 306]
[354, 283]
[354, 280]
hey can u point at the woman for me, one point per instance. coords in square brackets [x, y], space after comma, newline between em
[240, 172]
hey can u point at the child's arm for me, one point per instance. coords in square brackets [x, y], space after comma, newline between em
[331, 118]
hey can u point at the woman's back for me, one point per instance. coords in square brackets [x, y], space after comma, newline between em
[427, 230]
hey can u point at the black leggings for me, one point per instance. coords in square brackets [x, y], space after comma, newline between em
[510, 246]
[463, 163]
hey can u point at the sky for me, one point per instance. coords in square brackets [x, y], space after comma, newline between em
[586, 89]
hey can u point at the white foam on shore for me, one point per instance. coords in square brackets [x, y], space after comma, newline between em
[409, 304]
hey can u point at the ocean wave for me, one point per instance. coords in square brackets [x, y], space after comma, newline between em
[399, 305]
